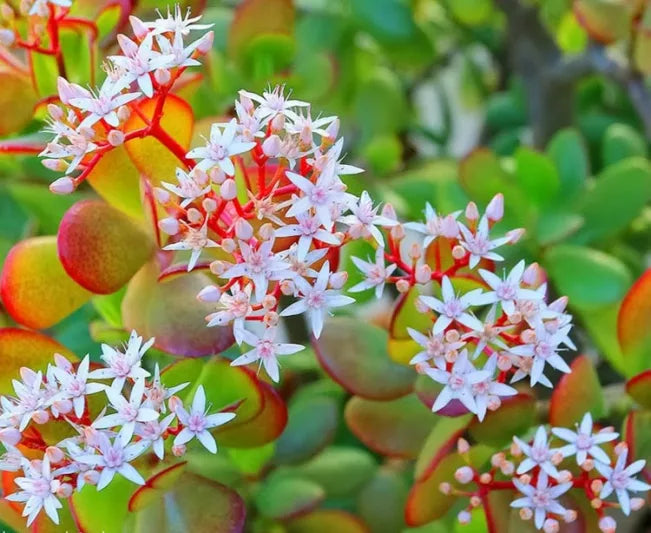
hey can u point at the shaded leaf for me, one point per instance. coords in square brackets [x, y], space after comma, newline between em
[639, 388]
[285, 497]
[327, 521]
[633, 322]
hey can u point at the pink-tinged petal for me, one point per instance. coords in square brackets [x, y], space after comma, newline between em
[185, 435]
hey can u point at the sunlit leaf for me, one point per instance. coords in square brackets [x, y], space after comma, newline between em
[639, 388]
[17, 100]
[633, 325]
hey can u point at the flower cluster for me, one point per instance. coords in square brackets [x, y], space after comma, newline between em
[593, 464]
[94, 121]
[35, 11]
[277, 231]
[131, 412]
[502, 322]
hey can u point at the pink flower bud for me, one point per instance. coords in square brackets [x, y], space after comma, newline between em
[205, 43]
[338, 279]
[423, 274]
[115, 137]
[56, 165]
[54, 454]
[169, 225]
[124, 113]
[464, 474]
[287, 287]
[530, 275]
[161, 195]
[7, 37]
[637, 503]
[162, 76]
[495, 208]
[485, 478]
[62, 406]
[271, 146]
[494, 403]
[472, 213]
[398, 232]
[278, 123]
[269, 301]
[464, 517]
[557, 458]
[596, 503]
[218, 267]
[178, 450]
[228, 189]
[475, 501]
[452, 335]
[209, 205]
[55, 111]
[91, 477]
[174, 403]
[507, 468]
[564, 476]
[229, 246]
[41, 416]
[243, 230]
[570, 516]
[194, 215]
[64, 490]
[62, 186]
[458, 252]
[515, 235]
[445, 488]
[129, 48]
[497, 459]
[621, 448]
[449, 227]
[504, 362]
[526, 513]
[415, 251]
[607, 524]
[266, 231]
[559, 304]
[10, 436]
[515, 449]
[199, 176]
[389, 212]
[138, 27]
[463, 446]
[210, 293]
[402, 286]
[597, 486]
[551, 525]
[217, 175]
[271, 319]
[587, 465]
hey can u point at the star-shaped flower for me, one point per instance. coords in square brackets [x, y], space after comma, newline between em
[584, 443]
[620, 480]
[537, 454]
[542, 498]
[123, 365]
[221, 145]
[375, 274]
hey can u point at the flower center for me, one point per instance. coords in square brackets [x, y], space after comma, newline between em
[583, 441]
[453, 308]
[114, 458]
[196, 423]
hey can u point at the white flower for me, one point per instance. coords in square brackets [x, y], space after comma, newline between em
[123, 365]
[364, 219]
[38, 492]
[30, 396]
[329, 161]
[488, 389]
[136, 64]
[538, 454]
[479, 243]
[621, 481]
[176, 22]
[458, 383]
[187, 187]
[436, 347]
[219, 148]
[79, 146]
[541, 498]
[234, 307]
[376, 273]
[507, 291]
[114, 457]
[583, 443]
[316, 299]
[260, 265]
[435, 225]
[74, 385]
[302, 267]
[544, 350]
[128, 411]
[153, 432]
[305, 127]
[272, 103]
[103, 105]
[157, 393]
[195, 240]
[197, 423]
[453, 308]
[176, 53]
[489, 334]
[307, 229]
[266, 350]
[326, 193]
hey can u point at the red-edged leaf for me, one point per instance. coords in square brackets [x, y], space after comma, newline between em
[440, 442]
[17, 100]
[637, 434]
[428, 390]
[605, 21]
[327, 521]
[265, 427]
[633, 325]
[639, 388]
[425, 501]
[515, 415]
[155, 487]
[170, 312]
[34, 287]
[255, 18]
[20, 347]
[396, 428]
[576, 394]
[100, 247]
[150, 156]
[282, 497]
[355, 356]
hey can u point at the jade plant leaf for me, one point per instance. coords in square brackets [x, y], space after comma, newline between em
[327, 521]
[355, 355]
[382, 500]
[169, 311]
[34, 287]
[576, 394]
[515, 415]
[396, 428]
[441, 441]
[632, 325]
[283, 497]
[639, 388]
[100, 247]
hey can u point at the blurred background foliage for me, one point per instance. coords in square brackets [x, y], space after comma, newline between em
[442, 101]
